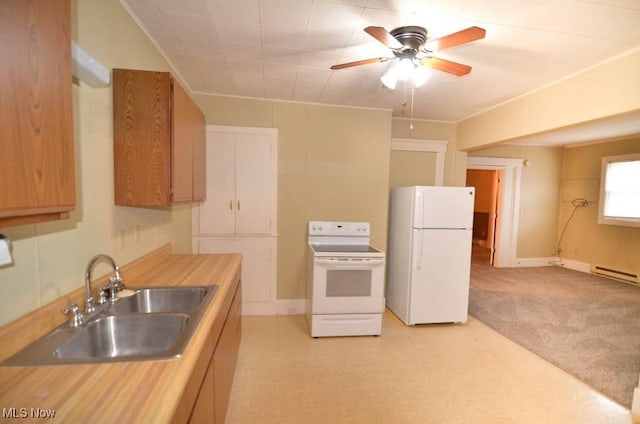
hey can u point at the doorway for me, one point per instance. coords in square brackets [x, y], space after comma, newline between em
[506, 229]
[486, 214]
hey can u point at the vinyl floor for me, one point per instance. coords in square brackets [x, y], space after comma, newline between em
[465, 373]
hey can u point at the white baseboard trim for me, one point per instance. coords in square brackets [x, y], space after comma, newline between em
[276, 307]
[258, 308]
[526, 262]
[576, 265]
[290, 306]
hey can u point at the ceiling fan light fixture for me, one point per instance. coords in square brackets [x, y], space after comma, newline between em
[404, 69]
[421, 75]
[389, 79]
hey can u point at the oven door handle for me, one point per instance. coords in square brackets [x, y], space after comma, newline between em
[351, 262]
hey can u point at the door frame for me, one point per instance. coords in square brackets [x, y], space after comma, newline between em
[507, 229]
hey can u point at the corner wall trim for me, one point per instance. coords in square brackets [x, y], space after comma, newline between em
[635, 405]
[576, 265]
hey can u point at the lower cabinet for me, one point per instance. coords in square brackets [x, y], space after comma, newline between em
[213, 391]
[258, 267]
[224, 361]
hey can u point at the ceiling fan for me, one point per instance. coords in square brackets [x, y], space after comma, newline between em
[413, 52]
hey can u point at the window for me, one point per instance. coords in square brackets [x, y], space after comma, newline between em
[620, 190]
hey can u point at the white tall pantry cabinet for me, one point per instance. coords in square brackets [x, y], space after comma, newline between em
[239, 213]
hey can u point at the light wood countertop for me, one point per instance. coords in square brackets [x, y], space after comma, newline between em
[142, 391]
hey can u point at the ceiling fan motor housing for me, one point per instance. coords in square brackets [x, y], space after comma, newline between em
[411, 37]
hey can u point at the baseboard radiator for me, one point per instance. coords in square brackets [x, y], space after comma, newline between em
[629, 277]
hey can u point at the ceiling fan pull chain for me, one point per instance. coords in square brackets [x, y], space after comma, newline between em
[404, 94]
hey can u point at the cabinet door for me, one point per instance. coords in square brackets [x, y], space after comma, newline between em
[253, 184]
[36, 132]
[257, 268]
[141, 137]
[183, 129]
[204, 409]
[217, 213]
[221, 245]
[224, 360]
[199, 159]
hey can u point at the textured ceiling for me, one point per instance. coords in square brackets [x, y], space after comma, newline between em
[282, 49]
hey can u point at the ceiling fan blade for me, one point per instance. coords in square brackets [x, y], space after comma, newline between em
[360, 62]
[465, 36]
[383, 36]
[446, 66]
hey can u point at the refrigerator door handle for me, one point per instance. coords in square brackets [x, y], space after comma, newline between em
[420, 246]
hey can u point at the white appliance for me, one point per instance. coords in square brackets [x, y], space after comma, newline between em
[430, 253]
[345, 281]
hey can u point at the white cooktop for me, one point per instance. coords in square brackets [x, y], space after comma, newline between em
[341, 238]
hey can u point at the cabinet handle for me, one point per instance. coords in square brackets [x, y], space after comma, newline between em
[231, 205]
[238, 205]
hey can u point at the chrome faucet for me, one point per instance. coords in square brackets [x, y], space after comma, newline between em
[77, 318]
[115, 282]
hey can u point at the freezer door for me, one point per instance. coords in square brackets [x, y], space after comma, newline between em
[440, 276]
[444, 207]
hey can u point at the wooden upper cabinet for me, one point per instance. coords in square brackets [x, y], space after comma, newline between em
[159, 141]
[36, 127]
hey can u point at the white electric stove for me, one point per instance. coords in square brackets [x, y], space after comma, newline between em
[345, 285]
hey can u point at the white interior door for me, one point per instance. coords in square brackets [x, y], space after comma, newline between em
[440, 284]
[217, 212]
[253, 184]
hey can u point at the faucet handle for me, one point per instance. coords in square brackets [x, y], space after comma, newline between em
[77, 318]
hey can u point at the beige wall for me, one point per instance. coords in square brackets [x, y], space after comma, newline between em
[455, 168]
[412, 168]
[539, 197]
[50, 258]
[585, 240]
[333, 164]
[606, 90]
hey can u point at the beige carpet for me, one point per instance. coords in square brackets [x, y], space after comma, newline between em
[587, 325]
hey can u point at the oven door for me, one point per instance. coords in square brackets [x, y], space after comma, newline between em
[344, 285]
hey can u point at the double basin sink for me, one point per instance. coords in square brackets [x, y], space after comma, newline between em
[154, 323]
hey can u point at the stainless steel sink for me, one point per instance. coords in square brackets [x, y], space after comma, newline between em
[126, 336]
[174, 299]
[153, 324]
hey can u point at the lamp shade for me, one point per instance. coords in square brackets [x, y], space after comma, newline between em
[421, 75]
[405, 69]
[389, 80]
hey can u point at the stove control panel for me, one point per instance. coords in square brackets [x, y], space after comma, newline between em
[339, 228]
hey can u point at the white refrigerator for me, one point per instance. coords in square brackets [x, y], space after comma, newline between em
[429, 255]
